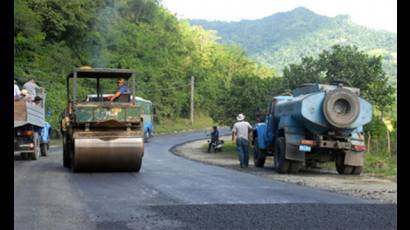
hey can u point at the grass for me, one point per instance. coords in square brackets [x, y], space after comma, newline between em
[183, 124]
[381, 164]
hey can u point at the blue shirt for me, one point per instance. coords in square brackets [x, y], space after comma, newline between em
[123, 89]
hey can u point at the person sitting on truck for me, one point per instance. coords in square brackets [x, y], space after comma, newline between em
[122, 88]
[31, 86]
[17, 92]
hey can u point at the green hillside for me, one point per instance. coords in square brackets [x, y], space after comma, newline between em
[283, 38]
[53, 37]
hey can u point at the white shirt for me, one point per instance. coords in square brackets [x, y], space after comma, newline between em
[241, 129]
[16, 91]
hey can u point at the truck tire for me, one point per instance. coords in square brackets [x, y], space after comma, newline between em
[341, 168]
[258, 157]
[357, 170]
[36, 154]
[295, 166]
[44, 149]
[281, 163]
[341, 107]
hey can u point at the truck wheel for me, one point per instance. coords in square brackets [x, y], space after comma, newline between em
[341, 168]
[258, 157]
[36, 154]
[24, 156]
[44, 150]
[281, 163]
[295, 166]
[357, 170]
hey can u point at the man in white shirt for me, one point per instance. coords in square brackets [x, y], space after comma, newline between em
[240, 132]
[17, 93]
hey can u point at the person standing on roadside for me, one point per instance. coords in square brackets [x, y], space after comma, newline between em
[17, 92]
[240, 133]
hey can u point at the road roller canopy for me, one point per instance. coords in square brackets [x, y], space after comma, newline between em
[101, 73]
[98, 74]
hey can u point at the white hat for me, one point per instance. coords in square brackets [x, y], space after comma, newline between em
[240, 117]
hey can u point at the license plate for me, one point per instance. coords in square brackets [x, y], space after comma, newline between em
[304, 148]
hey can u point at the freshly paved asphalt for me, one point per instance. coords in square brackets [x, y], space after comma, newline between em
[171, 192]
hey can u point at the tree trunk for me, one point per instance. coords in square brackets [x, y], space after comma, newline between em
[388, 141]
[368, 142]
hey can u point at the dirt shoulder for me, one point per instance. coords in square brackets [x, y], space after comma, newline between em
[364, 186]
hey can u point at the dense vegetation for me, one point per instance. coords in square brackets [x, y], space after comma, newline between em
[53, 37]
[284, 38]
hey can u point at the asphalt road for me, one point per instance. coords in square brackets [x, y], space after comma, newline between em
[171, 192]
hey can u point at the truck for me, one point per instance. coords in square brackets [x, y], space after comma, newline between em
[99, 134]
[31, 130]
[318, 123]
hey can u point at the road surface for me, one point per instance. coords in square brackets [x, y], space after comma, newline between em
[171, 192]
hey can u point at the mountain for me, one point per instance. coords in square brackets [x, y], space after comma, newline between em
[283, 38]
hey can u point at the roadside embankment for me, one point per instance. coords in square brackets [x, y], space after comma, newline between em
[365, 185]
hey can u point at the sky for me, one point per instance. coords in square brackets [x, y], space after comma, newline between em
[376, 14]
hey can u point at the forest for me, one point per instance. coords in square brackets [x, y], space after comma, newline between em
[53, 37]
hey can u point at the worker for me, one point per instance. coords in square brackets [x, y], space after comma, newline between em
[240, 133]
[31, 86]
[122, 88]
[17, 92]
[214, 137]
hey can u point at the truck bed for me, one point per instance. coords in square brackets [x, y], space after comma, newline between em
[28, 113]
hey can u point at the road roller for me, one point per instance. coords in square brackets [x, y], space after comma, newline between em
[101, 134]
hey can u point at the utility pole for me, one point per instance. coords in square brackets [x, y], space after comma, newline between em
[192, 100]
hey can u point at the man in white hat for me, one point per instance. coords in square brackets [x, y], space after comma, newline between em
[240, 132]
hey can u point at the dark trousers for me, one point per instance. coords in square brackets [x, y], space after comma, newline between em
[242, 146]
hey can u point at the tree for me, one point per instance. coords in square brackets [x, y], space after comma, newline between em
[344, 63]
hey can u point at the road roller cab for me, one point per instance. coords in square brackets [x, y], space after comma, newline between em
[101, 135]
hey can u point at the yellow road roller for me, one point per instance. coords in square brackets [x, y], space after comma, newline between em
[105, 133]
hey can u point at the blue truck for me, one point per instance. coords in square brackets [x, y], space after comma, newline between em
[31, 130]
[318, 123]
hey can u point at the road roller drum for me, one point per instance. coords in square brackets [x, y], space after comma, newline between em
[118, 154]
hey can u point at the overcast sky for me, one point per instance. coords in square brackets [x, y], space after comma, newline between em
[377, 14]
